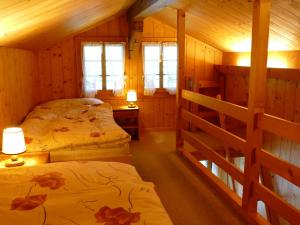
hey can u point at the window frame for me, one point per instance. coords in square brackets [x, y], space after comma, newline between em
[161, 61]
[103, 59]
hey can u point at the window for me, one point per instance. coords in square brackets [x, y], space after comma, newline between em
[103, 68]
[160, 67]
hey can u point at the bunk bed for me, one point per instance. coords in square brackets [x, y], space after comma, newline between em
[76, 129]
[78, 193]
[202, 140]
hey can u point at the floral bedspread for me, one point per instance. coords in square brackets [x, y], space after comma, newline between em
[71, 123]
[80, 193]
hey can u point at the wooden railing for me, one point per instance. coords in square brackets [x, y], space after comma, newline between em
[263, 159]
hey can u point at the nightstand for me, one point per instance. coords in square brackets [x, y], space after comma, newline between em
[128, 119]
[31, 159]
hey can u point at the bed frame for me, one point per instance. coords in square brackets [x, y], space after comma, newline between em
[259, 163]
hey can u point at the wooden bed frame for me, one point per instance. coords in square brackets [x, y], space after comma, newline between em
[259, 163]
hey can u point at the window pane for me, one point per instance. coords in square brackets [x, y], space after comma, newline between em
[170, 67]
[170, 81]
[114, 52]
[169, 52]
[114, 55]
[114, 68]
[92, 66]
[114, 82]
[91, 82]
[151, 52]
[92, 52]
[151, 67]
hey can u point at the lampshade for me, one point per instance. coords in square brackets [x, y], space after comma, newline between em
[131, 96]
[13, 141]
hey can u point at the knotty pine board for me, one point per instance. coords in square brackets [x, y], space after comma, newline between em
[18, 85]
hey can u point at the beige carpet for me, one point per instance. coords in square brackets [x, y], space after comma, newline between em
[188, 199]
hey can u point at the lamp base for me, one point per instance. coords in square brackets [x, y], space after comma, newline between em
[14, 161]
[131, 105]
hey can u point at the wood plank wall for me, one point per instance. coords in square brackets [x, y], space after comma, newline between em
[18, 84]
[60, 68]
[283, 100]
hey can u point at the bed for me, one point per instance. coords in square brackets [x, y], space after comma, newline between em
[78, 192]
[76, 129]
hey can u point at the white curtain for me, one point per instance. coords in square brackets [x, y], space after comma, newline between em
[115, 60]
[170, 66]
[91, 68]
[151, 55]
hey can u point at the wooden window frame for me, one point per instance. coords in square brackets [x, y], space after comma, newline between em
[161, 87]
[103, 42]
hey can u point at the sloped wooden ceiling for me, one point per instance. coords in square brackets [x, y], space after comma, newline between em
[226, 24]
[36, 24]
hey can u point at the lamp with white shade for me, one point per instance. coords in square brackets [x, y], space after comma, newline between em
[13, 143]
[131, 98]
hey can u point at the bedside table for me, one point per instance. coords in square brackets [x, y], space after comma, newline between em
[30, 159]
[128, 119]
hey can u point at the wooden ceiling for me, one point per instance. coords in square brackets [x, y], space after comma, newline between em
[41, 23]
[226, 24]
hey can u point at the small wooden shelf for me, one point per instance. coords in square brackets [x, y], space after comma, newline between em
[128, 119]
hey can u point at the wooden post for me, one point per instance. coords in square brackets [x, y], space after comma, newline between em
[180, 73]
[256, 101]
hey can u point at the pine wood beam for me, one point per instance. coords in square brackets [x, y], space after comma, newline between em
[143, 8]
[135, 14]
[278, 73]
[180, 73]
[256, 102]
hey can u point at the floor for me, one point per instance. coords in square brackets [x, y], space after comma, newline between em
[188, 199]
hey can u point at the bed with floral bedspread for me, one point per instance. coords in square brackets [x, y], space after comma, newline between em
[80, 193]
[75, 129]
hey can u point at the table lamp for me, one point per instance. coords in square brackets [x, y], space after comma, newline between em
[13, 143]
[131, 98]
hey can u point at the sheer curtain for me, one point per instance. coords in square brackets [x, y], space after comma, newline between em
[151, 54]
[170, 67]
[115, 60]
[91, 68]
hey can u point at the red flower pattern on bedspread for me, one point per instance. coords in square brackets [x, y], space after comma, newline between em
[92, 119]
[28, 203]
[95, 134]
[53, 180]
[116, 216]
[28, 140]
[63, 129]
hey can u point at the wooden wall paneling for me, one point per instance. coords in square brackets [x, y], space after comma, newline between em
[60, 66]
[148, 114]
[57, 72]
[69, 78]
[209, 61]
[17, 85]
[44, 74]
[169, 107]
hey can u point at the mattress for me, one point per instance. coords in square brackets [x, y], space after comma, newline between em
[82, 193]
[68, 125]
